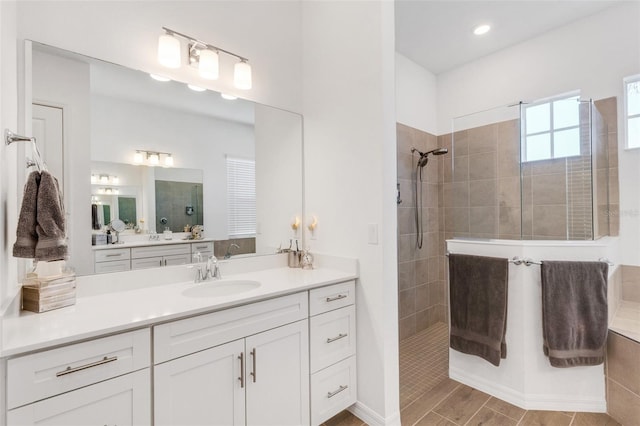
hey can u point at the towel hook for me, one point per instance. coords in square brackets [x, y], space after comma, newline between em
[10, 137]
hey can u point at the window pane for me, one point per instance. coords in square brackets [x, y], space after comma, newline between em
[566, 113]
[538, 118]
[538, 147]
[633, 98]
[634, 132]
[566, 143]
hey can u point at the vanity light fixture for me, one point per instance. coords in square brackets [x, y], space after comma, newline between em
[153, 158]
[204, 56]
[115, 180]
[481, 29]
[104, 179]
[168, 161]
[138, 158]
[228, 97]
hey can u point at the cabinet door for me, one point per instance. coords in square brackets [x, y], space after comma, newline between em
[177, 259]
[147, 262]
[204, 388]
[125, 400]
[278, 376]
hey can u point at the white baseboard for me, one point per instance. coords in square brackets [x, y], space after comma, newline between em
[530, 401]
[372, 418]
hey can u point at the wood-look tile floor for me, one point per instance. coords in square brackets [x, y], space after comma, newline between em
[428, 397]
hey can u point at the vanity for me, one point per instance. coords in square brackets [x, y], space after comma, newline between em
[148, 254]
[272, 346]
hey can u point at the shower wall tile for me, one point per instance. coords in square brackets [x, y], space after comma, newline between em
[432, 219]
[406, 243]
[407, 302]
[429, 194]
[421, 267]
[509, 223]
[483, 193]
[457, 219]
[483, 220]
[509, 192]
[612, 146]
[407, 327]
[550, 221]
[549, 189]
[547, 167]
[406, 220]
[457, 193]
[631, 283]
[460, 143]
[432, 272]
[460, 168]
[405, 166]
[431, 243]
[422, 297]
[608, 107]
[482, 166]
[406, 275]
[422, 320]
[483, 139]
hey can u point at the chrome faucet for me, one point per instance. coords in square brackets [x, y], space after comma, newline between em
[227, 255]
[213, 269]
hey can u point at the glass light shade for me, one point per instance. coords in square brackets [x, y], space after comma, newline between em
[115, 180]
[154, 159]
[168, 161]
[116, 191]
[242, 75]
[94, 179]
[108, 191]
[100, 190]
[208, 65]
[104, 179]
[481, 29]
[137, 157]
[196, 88]
[169, 51]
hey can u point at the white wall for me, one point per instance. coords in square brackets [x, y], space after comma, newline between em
[278, 173]
[126, 33]
[350, 175]
[593, 55]
[416, 93]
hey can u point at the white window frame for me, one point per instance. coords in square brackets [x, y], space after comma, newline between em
[627, 117]
[552, 130]
[241, 215]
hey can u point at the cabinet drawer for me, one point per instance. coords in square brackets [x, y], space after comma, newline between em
[202, 247]
[44, 374]
[162, 250]
[332, 390]
[190, 335]
[115, 266]
[332, 297]
[333, 337]
[178, 259]
[112, 254]
[147, 262]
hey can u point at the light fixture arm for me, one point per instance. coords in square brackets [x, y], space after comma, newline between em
[209, 46]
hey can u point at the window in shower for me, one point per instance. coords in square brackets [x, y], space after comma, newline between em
[632, 108]
[551, 129]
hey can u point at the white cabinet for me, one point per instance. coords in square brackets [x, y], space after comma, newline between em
[202, 388]
[251, 360]
[122, 401]
[163, 255]
[204, 248]
[112, 260]
[99, 382]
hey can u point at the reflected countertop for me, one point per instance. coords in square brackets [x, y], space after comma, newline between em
[95, 315]
[147, 242]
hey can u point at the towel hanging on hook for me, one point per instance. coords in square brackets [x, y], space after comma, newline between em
[10, 137]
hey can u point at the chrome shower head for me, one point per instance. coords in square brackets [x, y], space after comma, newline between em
[438, 151]
[424, 156]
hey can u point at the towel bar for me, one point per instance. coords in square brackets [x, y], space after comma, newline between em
[528, 262]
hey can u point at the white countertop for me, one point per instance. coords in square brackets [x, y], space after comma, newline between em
[106, 313]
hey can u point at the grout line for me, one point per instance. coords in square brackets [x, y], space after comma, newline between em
[436, 404]
[478, 410]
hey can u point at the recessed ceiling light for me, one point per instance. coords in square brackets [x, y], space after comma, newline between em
[481, 29]
[159, 77]
[228, 97]
[196, 88]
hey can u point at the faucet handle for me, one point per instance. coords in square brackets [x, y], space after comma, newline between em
[197, 257]
[213, 268]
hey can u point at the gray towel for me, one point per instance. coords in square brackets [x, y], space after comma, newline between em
[478, 297]
[26, 235]
[574, 312]
[52, 241]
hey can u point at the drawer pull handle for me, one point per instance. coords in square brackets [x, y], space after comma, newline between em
[70, 370]
[337, 391]
[253, 373]
[338, 337]
[114, 255]
[241, 378]
[338, 297]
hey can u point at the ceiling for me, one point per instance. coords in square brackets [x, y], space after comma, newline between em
[438, 35]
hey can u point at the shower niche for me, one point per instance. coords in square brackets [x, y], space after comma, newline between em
[533, 171]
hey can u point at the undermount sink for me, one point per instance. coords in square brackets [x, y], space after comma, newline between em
[220, 288]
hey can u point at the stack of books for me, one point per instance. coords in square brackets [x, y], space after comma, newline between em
[41, 294]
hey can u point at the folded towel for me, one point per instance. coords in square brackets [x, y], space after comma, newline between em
[574, 312]
[478, 298]
[26, 235]
[52, 241]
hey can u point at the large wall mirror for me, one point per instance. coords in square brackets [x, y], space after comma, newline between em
[159, 155]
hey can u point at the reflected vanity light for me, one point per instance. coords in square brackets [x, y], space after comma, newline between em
[94, 179]
[159, 77]
[104, 179]
[196, 88]
[204, 56]
[152, 158]
[228, 97]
